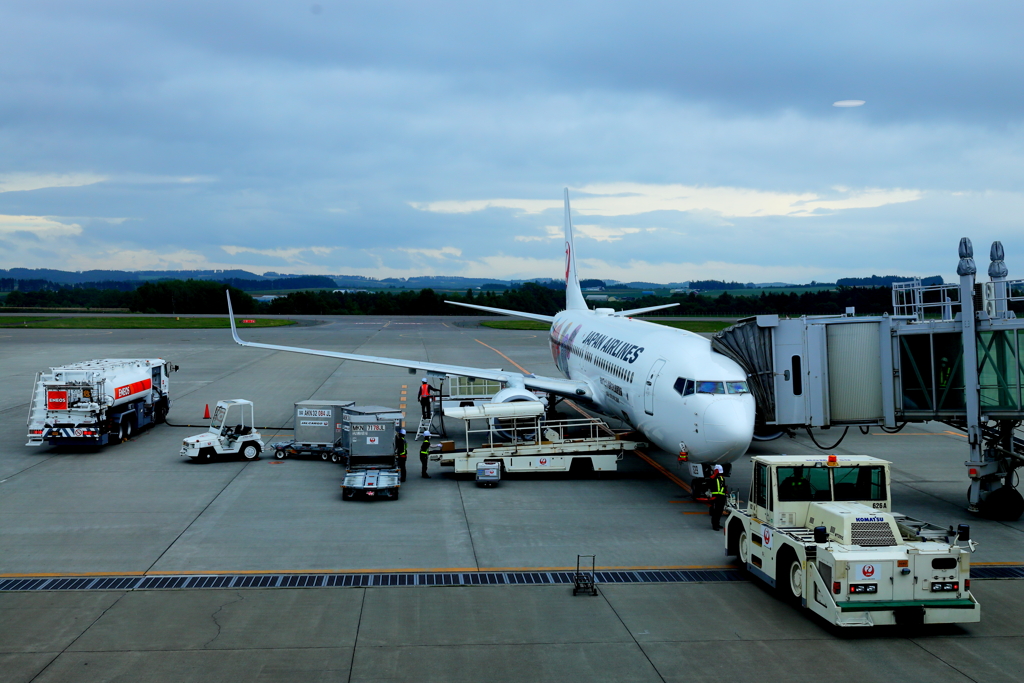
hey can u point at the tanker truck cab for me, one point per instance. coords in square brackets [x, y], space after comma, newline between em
[821, 531]
[232, 433]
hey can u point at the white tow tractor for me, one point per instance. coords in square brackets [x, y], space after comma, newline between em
[232, 432]
[821, 531]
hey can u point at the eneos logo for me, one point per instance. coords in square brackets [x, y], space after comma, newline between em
[56, 400]
[868, 571]
[133, 388]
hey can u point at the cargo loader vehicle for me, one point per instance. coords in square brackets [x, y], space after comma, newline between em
[821, 531]
[232, 433]
[97, 402]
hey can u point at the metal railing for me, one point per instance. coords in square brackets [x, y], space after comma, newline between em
[914, 299]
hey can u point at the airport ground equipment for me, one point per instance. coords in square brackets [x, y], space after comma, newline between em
[317, 432]
[488, 473]
[583, 579]
[98, 401]
[368, 443]
[822, 532]
[517, 436]
[231, 434]
[951, 352]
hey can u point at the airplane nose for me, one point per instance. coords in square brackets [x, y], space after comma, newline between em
[727, 426]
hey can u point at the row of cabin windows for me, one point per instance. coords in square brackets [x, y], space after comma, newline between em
[611, 368]
[686, 387]
[865, 482]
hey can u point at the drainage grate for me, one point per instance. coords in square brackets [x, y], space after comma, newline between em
[355, 580]
[997, 572]
[408, 579]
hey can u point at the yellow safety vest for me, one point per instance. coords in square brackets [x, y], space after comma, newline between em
[424, 448]
[719, 486]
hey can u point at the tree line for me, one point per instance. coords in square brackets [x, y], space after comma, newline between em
[204, 296]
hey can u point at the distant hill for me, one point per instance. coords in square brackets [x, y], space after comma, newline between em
[64, 277]
[885, 280]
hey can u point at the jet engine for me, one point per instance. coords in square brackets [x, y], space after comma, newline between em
[514, 395]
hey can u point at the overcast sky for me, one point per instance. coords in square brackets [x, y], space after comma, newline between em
[698, 140]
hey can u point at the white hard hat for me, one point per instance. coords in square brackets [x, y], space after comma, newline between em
[427, 435]
[401, 431]
[424, 379]
[718, 468]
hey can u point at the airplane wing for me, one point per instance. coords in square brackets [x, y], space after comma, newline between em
[504, 311]
[555, 385]
[638, 311]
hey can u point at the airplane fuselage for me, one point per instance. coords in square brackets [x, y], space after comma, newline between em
[640, 371]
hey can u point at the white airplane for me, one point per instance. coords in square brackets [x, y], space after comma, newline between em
[669, 384]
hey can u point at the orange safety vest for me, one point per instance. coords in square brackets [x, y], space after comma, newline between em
[424, 390]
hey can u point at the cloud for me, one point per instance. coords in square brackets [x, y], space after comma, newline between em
[552, 232]
[630, 199]
[290, 255]
[443, 252]
[24, 182]
[40, 226]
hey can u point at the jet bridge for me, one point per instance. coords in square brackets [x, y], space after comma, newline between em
[952, 353]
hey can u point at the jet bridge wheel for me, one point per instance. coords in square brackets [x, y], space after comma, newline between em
[1004, 504]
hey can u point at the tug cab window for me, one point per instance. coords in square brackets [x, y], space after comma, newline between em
[859, 483]
[804, 484]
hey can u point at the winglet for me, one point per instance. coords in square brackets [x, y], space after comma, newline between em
[231, 318]
[574, 300]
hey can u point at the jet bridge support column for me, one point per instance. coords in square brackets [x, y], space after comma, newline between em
[966, 270]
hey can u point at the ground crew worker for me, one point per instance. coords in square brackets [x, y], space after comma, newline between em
[425, 391]
[425, 453]
[402, 451]
[717, 496]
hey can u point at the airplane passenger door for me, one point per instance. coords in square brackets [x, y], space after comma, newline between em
[652, 377]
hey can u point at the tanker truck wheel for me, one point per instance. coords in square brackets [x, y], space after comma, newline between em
[251, 451]
[126, 430]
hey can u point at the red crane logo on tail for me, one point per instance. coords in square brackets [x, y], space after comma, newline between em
[568, 261]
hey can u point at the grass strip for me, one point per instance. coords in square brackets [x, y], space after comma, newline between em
[134, 323]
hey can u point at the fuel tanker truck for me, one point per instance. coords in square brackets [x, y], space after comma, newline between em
[97, 402]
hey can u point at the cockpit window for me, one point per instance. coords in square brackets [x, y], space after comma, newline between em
[705, 387]
[737, 387]
[683, 386]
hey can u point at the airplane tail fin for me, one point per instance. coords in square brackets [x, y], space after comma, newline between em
[574, 300]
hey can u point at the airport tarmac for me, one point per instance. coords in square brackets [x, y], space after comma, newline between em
[140, 509]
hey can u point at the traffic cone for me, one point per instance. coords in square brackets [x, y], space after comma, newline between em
[206, 413]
